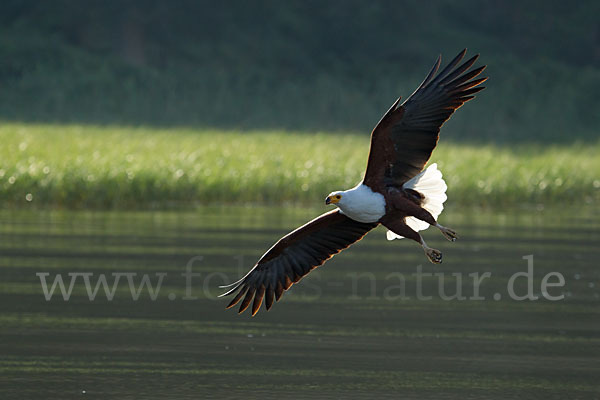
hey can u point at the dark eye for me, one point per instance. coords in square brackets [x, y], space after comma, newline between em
[338, 197]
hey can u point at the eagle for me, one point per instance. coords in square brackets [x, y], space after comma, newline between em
[396, 191]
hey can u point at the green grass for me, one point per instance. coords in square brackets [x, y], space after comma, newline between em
[75, 166]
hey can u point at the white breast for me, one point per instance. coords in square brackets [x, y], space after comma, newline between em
[362, 204]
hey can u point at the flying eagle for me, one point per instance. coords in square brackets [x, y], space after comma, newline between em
[396, 191]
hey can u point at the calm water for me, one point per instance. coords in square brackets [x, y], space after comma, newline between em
[353, 328]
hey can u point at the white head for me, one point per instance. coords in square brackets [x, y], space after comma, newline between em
[335, 198]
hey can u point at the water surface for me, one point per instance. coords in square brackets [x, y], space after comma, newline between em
[352, 328]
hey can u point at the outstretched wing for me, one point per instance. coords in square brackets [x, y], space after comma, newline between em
[294, 256]
[404, 139]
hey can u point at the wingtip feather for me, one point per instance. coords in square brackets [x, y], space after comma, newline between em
[237, 298]
[247, 300]
[258, 299]
[269, 298]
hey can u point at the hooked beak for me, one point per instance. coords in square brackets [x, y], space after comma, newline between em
[332, 200]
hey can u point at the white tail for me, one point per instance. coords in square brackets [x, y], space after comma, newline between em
[431, 185]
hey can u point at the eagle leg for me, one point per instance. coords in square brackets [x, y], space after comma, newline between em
[448, 233]
[400, 228]
[406, 202]
[434, 255]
